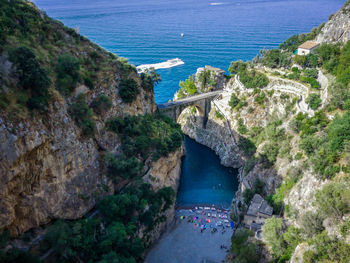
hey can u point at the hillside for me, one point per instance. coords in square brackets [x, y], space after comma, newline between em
[284, 121]
[78, 133]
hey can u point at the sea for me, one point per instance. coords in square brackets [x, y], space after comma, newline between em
[214, 33]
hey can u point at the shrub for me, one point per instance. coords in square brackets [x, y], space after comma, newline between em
[82, 114]
[272, 232]
[247, 146]
[234, 100]
[31, 77]
[124, 167]
[241, 127]
[333, 200]
[311, 223]
[149, 78]
[187, 88]
[128, 90]
[237, 66]
[241, 249]
[101, 104]
[314, 101]
[219, 115]
[327, 249]
[67, 73]
[253, 79]
[311, 73]
[298, 156]
[147, 135]
[261, 98]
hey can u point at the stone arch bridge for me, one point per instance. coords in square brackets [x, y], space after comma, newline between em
[173, 109]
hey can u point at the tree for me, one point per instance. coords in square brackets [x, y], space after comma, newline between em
[300, 60]
[312, 223]
[187, 87]
[237, 66]
[149, 78]
[128, 90]
[68, 74]
[241, 249]
[272, 234]
[82, 115]
[314, 101]
[234, 100]
[31, 77]
[101, 104]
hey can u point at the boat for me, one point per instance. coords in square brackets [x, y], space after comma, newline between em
[163, 65]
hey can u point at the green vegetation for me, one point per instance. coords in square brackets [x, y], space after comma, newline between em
[258, 188]
[113, 235]
[219, 115]
[205, 79]
[149, 79]
[237, 67]
[314, 101]
[234, 100]
[82, 114]
[275, 58]
[242, 250]
[67, 74]
[292, 43]
[187, 88]
[242, 129]
[327, 249]
[142, 137]
[276, 200]
[128, 90]
[253, 79]
[101, 104]
[261, 98]
[32, 77]
[45, 52]
[250, 78]
[280, 239]
[324, 150]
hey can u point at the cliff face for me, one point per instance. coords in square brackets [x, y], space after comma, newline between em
[337, 29]
[49, 169]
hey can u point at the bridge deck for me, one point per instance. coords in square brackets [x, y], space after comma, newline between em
[189, 99]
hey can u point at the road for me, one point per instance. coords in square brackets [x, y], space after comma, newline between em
[189, 99]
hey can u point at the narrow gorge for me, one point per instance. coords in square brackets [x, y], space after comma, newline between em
[246, 166]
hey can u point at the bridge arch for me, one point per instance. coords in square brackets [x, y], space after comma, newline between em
[202, 102]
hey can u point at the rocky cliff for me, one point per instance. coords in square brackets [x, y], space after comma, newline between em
[337, 29]
[49, 168]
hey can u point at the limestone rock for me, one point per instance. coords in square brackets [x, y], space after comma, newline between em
[337, 29]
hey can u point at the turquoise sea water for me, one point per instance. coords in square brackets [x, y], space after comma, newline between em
[148, 31]
[204, 180]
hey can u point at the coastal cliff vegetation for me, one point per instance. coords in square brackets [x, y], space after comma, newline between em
[323, 146]
[47, 68]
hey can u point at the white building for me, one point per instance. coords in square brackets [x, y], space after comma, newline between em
[307, 48]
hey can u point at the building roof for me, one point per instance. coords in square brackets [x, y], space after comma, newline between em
[309, 45]
[259, 205]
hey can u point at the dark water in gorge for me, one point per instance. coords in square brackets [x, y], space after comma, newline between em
[148, 31]
[204, 180]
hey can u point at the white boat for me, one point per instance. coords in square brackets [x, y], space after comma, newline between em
[182, 35]
[167, 64]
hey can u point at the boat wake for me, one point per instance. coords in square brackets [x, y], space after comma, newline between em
[167, 64]
[217, 3]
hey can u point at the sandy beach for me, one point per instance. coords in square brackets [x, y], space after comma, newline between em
[186, 241]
